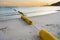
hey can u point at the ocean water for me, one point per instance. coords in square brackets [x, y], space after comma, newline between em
[9, 11]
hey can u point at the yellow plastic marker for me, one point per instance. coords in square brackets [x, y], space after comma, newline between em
[27, 20]
[45, 35]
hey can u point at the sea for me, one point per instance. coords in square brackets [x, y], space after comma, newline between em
[12, 11]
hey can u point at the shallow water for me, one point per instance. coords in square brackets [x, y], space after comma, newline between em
[9, 11]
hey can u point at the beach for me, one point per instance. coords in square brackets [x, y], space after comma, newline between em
[42, 17]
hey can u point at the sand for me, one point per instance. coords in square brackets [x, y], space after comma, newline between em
[17, 29]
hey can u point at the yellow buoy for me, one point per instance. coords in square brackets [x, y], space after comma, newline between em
[27, 20]
[45, 35]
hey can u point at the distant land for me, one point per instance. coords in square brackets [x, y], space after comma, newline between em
[56, 4]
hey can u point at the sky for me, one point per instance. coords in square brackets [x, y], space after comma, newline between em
[26, 2]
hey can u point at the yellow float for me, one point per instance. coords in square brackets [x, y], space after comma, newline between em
[45, 35]
[27, 20]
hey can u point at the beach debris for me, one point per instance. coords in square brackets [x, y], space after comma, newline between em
[49, 25]
[21, 13]
[3, 29]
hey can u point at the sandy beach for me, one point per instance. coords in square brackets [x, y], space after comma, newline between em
[17, 29]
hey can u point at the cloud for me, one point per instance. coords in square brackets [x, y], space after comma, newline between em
[24, 2]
